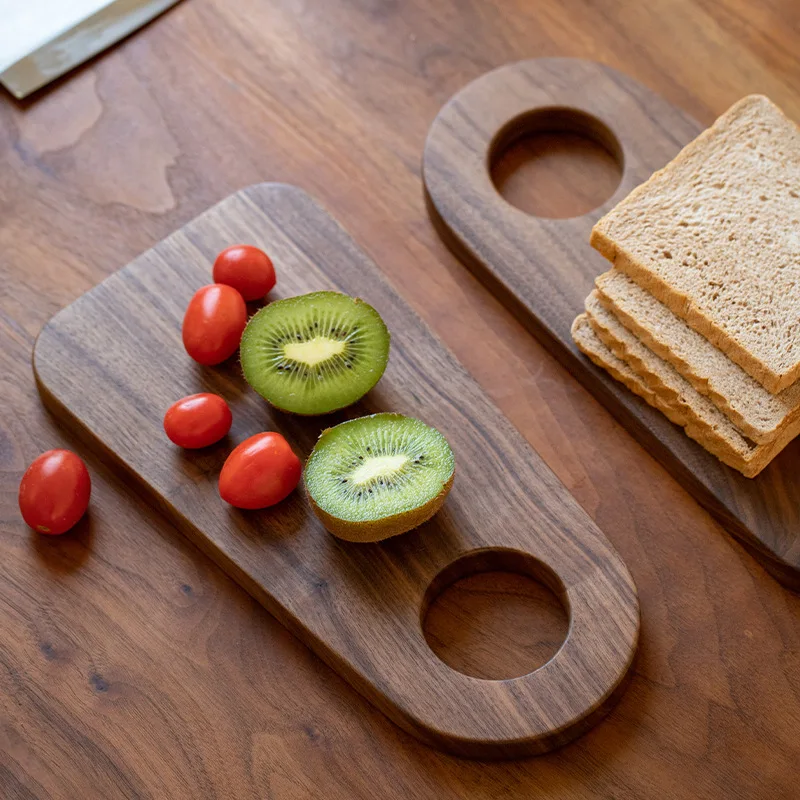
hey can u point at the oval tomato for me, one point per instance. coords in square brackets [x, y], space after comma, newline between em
[259, 472]
[198, 420]
[213, 324]
[54, 492]
[247, 269]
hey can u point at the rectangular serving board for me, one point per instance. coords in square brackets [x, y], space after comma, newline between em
[110, 364]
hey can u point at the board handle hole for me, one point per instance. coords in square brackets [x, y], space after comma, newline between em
[556, 162]
[495, 614]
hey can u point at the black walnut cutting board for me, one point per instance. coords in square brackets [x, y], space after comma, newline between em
[543, 269]
[112, 362]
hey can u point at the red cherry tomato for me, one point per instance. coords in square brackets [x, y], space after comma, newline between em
[213, 324]
[54, 492]
[198, 420]
[246, 268]
[259, 472]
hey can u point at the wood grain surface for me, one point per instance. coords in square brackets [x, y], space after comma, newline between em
[130, 665]
[110, 364]
[543, 269]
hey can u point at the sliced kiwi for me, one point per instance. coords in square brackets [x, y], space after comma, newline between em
[315, 353]
[378, 476]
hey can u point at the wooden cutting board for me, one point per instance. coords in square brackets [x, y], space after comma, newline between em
[543, 269]
[111, 363]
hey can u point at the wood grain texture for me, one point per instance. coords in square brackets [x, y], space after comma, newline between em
[543, 269]
[112, 362]
[131, 666]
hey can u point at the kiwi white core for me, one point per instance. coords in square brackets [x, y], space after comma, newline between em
[379, 467]
[314, 351]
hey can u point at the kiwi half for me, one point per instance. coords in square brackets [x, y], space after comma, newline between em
[315, 353]
[378, 476]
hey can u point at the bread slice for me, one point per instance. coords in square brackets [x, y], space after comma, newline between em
[759, 414]
[705, 423]
[590, 344]
[593, 346]
[715, 236]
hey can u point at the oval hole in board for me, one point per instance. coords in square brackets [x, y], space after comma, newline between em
[495, 614]
[556, 163]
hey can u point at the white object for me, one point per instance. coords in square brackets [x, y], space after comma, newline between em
[40, 40]
[28, 24]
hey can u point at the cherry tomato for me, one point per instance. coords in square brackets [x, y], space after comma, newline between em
[198, 420]
[259, 472]
[54, 492]
[213, 324]
[246, 268]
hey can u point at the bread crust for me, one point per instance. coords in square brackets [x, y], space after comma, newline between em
[677, 400]
[760, 415]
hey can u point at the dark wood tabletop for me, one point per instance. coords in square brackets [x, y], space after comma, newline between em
[130, 666]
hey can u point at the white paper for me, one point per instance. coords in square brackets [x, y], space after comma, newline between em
[25, 25]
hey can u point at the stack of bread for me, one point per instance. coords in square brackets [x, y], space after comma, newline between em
[700, 311]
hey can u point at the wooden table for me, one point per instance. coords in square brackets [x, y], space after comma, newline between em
[129, 665]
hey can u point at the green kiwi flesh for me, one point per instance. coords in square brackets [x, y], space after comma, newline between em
[315, 353]
[378, 476]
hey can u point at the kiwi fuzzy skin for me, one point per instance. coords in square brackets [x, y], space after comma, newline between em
[381, 529]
